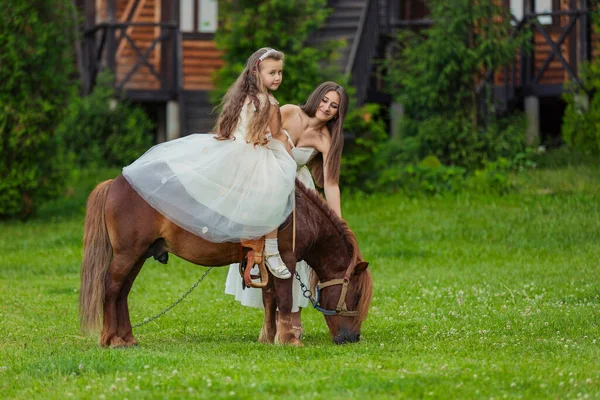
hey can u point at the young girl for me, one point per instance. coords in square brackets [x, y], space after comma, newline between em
[237, 184]
[315, 132]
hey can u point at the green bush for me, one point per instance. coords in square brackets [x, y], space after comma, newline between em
[100, 131]
[360, 163]
[424, 178]
[581, 120]
[36, 71]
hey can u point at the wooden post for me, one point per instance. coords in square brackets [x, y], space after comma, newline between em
[532, 110]
[111, 43]
[573, 42]
[89, 49]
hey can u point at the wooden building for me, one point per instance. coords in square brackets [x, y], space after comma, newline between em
[163, 53]
[562, 39]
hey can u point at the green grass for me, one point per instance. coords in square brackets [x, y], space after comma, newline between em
[475, 297]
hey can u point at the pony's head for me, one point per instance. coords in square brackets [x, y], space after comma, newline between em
[345, 285]
[350, 299]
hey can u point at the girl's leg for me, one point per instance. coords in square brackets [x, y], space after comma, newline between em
[273, 260]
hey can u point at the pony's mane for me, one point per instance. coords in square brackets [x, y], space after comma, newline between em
[365, 281]
[340, 225]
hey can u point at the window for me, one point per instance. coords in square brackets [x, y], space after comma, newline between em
[539, 6]
[542, 6]
[198, 16]
[516, 8]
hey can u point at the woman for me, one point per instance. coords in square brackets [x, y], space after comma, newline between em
[315, 135]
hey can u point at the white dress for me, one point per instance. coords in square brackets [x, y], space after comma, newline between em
[252, 297]
[221, 190]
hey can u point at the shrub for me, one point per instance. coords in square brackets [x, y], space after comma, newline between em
[100, 131]
[36, 74]
[361, 163]
[581, 120]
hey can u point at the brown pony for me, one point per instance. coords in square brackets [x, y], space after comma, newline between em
[122, 231]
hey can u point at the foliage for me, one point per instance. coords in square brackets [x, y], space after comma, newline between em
[360, 164]
[437, 73]
[436, 77]
[483, 296]
[36, 66]
[98, 130]
[581, 120]
[285, 25]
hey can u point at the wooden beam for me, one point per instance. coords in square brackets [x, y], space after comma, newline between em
[111, 44]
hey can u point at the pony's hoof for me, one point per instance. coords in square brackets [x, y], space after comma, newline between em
[131, 342]
[266, 339]
[117, 342]
[288, 339]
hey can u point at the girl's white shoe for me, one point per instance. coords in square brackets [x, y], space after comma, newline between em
[276, 265]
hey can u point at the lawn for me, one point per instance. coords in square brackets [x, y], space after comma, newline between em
[475, 296]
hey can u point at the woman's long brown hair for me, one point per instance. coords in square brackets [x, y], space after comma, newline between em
[247, 85]
[335, 126]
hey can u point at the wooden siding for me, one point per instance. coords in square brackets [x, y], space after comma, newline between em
[200, 61]
[555, 73]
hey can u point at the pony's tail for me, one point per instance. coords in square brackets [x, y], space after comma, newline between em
[97, 255]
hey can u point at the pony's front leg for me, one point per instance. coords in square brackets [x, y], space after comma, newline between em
[267, 333]
[284, 296]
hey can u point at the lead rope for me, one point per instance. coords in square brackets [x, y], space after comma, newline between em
[146, 320]
[294, 224]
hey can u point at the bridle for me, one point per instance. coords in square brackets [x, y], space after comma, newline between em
[341, 309]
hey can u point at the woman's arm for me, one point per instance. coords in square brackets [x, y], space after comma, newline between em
[331, 189]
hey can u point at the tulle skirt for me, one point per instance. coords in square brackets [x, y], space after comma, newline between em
[223, 191]
[252, 297]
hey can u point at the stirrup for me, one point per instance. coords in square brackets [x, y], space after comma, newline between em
[281, 271]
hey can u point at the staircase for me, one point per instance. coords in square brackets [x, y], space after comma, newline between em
[356, 22]
[197, 114]
[342, 24]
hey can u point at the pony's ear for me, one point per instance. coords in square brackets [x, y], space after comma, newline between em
[361, 266]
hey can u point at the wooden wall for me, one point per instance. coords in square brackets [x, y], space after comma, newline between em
[201, 60]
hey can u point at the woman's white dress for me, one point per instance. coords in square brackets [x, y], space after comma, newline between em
[221, 190]
[252, 297]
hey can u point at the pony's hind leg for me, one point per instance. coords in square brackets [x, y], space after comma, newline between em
[117, 273]
[124, 330]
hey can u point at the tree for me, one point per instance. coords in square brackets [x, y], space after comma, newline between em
[285, 25]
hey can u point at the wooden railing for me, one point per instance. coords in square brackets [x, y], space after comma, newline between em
[528, 81]
[102, 46]
[363, 49]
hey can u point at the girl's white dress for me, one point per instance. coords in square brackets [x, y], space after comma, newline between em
[221, 190]
[252, 297]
